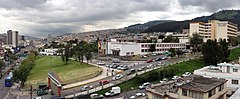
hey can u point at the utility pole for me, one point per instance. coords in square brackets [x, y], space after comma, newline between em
[31, 89]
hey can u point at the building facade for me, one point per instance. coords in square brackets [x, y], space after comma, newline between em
[214, 29]
[117, 48]
[190, 87]
[228, 71]
[12, 38]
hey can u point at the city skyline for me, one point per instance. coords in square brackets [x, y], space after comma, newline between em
[42, 17]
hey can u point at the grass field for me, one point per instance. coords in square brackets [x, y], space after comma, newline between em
[69, 73]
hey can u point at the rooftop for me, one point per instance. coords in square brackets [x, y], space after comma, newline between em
[202, 84]
[192, 82]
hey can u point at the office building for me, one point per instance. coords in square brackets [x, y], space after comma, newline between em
[12, 38]
[214, 29]
[117, 47]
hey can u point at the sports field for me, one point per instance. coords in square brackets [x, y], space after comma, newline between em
[69, 73]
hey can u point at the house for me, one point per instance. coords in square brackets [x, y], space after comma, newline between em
[189, 87]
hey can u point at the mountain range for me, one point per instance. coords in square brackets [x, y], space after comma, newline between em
[177, 26]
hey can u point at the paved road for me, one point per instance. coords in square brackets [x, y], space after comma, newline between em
[76, 91]
[3, 90]
[97, 87]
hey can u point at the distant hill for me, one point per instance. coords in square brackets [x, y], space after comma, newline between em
[140, 27]
[176, 26]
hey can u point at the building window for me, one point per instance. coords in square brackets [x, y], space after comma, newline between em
[195, 95]
[184, 92]
[142, 50]
[142, 45]
[235, 82]
[235, 70]
[211, 92]
[221, 87]
[132, 53]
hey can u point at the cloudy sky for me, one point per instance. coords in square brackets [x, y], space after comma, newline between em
[41, 17]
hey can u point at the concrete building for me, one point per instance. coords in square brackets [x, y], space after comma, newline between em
[228, 71]
[12, 38]
[183, 37]
[119, 48]
[214, 29]
[189, 87]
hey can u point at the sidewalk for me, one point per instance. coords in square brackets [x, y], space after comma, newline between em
[101, 76]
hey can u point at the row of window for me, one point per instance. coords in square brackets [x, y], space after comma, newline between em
[235, 82]
[166, 49]
[163, 45]
[129, 53]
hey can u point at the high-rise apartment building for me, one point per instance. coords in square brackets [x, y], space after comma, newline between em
[12, 38]
[214, 29]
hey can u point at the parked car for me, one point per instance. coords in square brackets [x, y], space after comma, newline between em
[101, 63]
[118, 76]
[124, 68]
[144, 85]
[140, 94]
[132, 71]
[158, 59]
[103, 82]
[150, 60]
[116, 61]
[41, 92]
[175, 77]
[87, 87]
[140, 69]
[186, 74]
[149, 66]
[164, 58]
[133, 97]
[38, 98]
[96, 96]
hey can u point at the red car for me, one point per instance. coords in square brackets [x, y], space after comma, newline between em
[150, 60]
[103, 82]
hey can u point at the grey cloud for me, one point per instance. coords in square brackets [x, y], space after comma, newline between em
[21, 4]
[210, 5]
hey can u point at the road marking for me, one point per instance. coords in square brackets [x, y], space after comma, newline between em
[6, 96]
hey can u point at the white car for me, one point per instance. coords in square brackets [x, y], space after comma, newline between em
[140, 94]
[87, 87]
[133, 97]
[101, 63]
[38, 98]
[186, 74]
[118, 76]
[144, 85]
[175, 77]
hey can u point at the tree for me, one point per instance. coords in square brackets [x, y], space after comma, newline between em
[152, 48]
[196, 40]
[173, 52]
[161, 37]
[214, 52]
[226, 51]
[179, 52]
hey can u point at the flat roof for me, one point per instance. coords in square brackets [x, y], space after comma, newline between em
[202, 84]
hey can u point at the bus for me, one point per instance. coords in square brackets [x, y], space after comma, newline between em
[8, 80]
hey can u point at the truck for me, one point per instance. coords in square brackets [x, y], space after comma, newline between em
[114, 91]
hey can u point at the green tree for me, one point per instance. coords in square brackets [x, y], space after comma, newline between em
[152, 48]
[226, 51]
[196, 40]
[213, 52]
[179, 52]
[173, 52]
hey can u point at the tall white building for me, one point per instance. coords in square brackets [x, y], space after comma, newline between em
[214, 29]
[12, 38]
